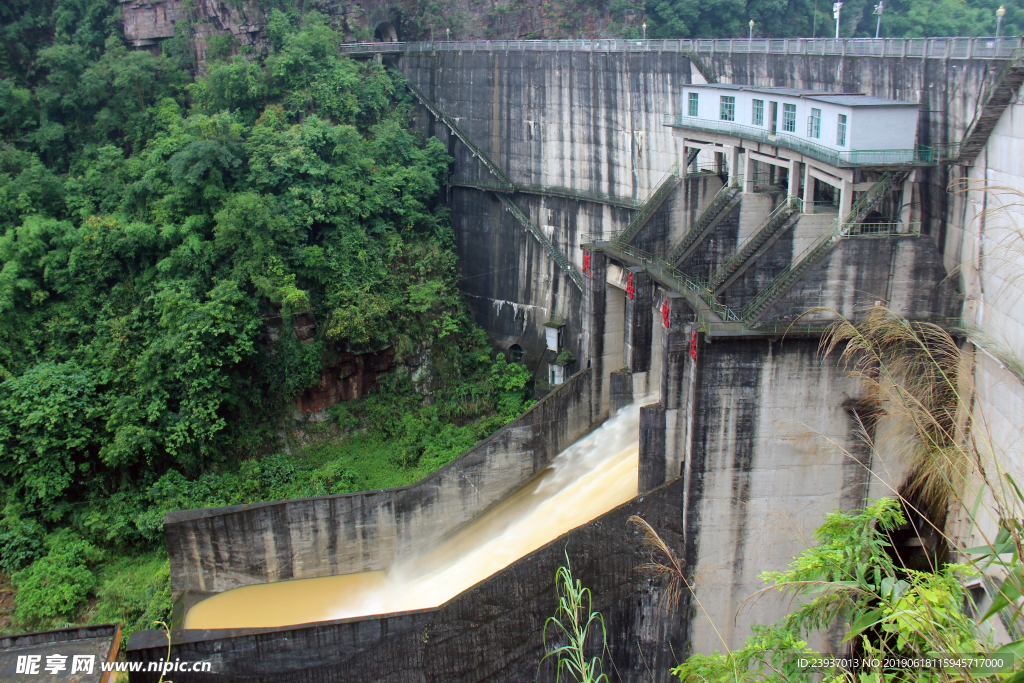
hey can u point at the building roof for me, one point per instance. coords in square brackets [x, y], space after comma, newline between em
[846, 99]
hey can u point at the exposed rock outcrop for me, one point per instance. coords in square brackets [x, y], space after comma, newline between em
[350, 377]
[346, 375]
[147, 22]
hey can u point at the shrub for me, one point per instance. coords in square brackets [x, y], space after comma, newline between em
[55, 585]
[21, 542]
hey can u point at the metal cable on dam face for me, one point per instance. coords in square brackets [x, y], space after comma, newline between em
[590, 477]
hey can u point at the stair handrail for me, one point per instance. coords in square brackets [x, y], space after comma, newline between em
[1015, 59]
[705, 217]
[550, 191]
[454, 128]
[561, 260]
[701, 66]
[666, 272]
[650, 205]
[505, 184]
[753, 243]
[818, 248]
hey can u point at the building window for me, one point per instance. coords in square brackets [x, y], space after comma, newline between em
[841, 131]
[758, 119]
[692, 104]
[728, 108]
[814, 124]
[789, 118]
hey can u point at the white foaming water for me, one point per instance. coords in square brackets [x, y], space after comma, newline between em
[590, 477]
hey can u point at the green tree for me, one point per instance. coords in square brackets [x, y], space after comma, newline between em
[51, 422]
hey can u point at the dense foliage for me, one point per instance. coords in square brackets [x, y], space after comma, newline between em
[887, 613]
[805, 18]
[160, 238]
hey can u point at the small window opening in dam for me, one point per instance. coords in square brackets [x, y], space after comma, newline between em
[515, 353]
[587, 479]
[385, 33]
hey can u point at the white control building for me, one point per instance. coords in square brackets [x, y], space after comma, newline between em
[827, 136]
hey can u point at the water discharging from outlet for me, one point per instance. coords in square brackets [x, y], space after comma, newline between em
[590, 477]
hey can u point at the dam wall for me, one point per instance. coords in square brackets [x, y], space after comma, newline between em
[217, 549]
[511, 283]
[987, 240]
[584, 130]
[589, 126]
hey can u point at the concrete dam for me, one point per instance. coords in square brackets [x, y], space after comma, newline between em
[632, 254]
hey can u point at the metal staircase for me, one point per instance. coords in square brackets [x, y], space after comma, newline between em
[820, 247]
[701, 67]
[757, 244]
[650, 205]
[714, 316]
[670, 277]
[561, 260]
[1002, 92]
[501, 188]
[503, 180]
[727, 196]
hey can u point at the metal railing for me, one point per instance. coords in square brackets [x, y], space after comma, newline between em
[501, 187]
[721, 198]
[766, 181]
[925, 48]
[1013, 60]
[814, 328]
[666, 274]
[943, 151]
[992, 107]
[857, 157]
[703, 168]
[828, 205]
[650, 205]
[768, 227]
[561, 260]
[891, 229]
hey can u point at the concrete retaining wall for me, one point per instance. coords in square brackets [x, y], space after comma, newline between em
[491, 632]
[217, 549]
[101, 642]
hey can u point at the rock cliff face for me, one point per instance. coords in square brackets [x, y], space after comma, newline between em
[148, 22]
[348, 378]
